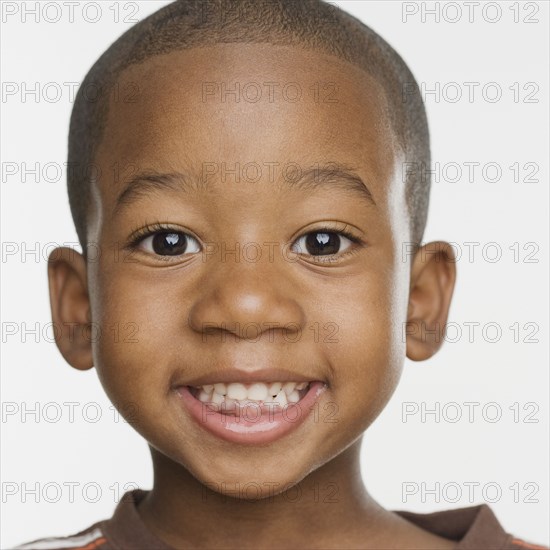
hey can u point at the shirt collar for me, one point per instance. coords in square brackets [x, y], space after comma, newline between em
[473, 527]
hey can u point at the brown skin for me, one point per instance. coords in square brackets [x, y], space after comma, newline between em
[370, 294]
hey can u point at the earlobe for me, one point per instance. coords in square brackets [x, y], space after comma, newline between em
[70, 306]
[433, 277]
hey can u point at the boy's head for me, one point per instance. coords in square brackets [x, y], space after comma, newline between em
[308, 25]
[217, 220]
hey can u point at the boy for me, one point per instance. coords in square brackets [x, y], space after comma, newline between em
[248, 208]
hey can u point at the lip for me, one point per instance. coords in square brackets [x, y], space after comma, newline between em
[232, 374]
[253, 429]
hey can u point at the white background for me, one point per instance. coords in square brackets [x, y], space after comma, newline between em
[110, 454]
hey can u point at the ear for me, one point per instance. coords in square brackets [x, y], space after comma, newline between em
[433, 276]
[70, 306]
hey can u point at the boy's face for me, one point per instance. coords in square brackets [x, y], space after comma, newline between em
[337, 321]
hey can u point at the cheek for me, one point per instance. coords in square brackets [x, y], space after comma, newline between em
[133, 367]
[136, 329]
[368, 358]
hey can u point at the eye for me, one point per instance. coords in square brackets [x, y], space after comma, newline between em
[169, 243]
[324, 243]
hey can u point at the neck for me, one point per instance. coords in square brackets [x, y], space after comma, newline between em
[328, 504]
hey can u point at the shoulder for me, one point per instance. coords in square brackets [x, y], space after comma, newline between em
[473, 527]
[123, 530]
[91, 538]
[520, 544]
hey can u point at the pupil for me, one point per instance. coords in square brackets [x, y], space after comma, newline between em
[169, 244]
[322, 243]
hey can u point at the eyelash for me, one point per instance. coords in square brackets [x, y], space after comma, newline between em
[140, 234]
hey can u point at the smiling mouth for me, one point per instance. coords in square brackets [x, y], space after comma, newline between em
[234, 398]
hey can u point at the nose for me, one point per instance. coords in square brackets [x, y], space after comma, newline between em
[246, 299]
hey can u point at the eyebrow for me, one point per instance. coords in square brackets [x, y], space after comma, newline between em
[333, 176]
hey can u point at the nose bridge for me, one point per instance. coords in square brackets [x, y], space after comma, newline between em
[241, 289]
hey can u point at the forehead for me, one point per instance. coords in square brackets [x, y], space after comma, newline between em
[230, 105]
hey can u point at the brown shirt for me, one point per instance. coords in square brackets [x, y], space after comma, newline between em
[473, 528]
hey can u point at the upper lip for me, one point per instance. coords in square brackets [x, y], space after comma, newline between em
[247, 376]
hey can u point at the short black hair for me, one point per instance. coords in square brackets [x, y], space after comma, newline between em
[310, 24]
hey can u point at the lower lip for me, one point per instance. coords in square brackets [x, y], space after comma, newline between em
[252, 428]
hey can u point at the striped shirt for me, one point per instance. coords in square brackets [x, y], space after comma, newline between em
[474, 528]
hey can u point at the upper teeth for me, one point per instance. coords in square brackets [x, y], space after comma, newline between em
[276, 392]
